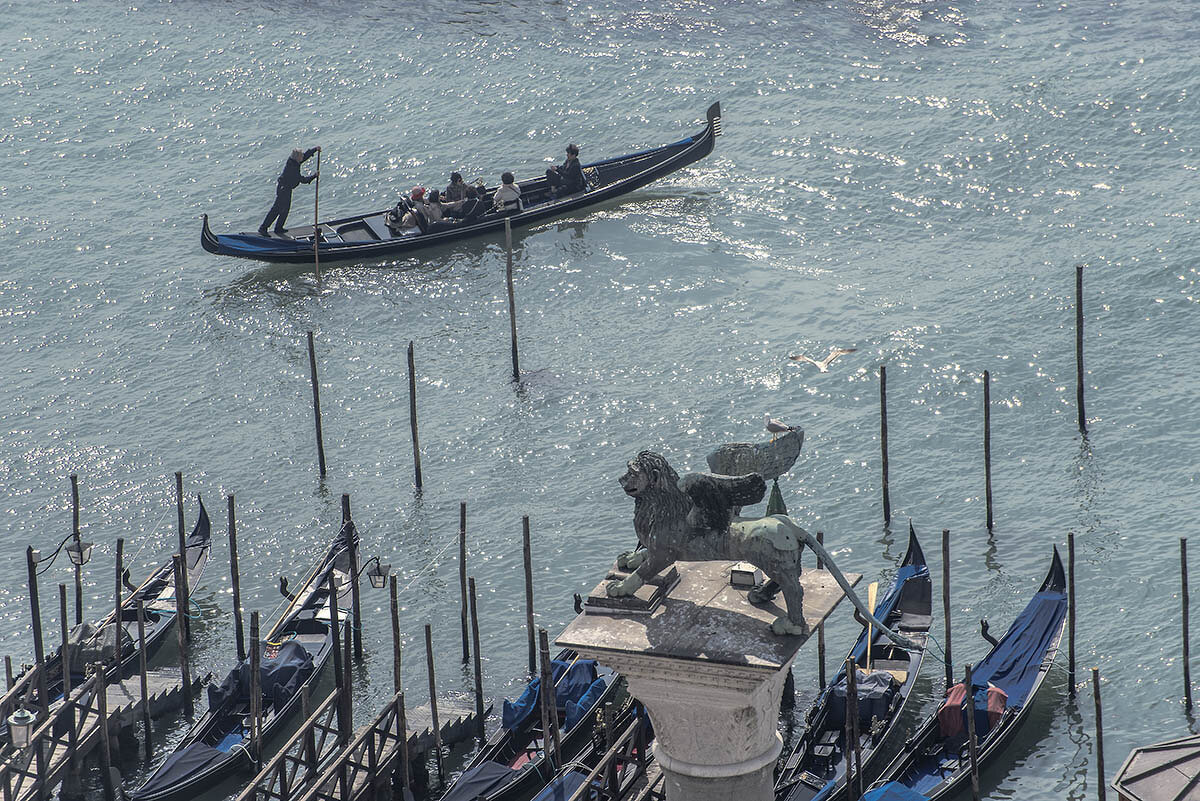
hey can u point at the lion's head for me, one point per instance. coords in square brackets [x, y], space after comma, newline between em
[648, 470]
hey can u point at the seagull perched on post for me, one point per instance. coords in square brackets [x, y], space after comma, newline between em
[823, 365]
[777, 427]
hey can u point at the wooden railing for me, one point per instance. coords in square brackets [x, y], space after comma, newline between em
[368, 760]
[297, 765]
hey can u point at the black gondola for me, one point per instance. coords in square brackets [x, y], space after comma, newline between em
[292, 655]
[364, 237]
[816, 767]
[512, 763]
[934, 761]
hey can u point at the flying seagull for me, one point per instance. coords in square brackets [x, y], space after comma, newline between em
[823, 365]
[777, 427]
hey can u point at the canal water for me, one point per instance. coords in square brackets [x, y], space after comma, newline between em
[914, 179]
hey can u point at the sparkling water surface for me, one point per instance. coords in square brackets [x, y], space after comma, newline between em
[914, 179]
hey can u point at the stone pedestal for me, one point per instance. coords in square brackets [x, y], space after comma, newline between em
[710, 673]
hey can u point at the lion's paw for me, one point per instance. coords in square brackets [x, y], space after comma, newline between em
[625, 587]
[783, 627]
[631, 560]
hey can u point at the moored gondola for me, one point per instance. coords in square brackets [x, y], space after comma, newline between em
[816, 767]
[292, 655]
[364, 237]
[934, 761]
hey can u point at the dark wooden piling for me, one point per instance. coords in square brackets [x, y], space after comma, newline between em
[1079, 348]
[144, 684]
[405, 767]
[853, 753]
[347, 663]
[478, 659]
[528, 555]
[237, 583]
[972, 741]
[339, 669]
[75, 533]
[106, 753]
[397, 684]
[316, 390]
[946, 604]
[512, 302]
[255, 693]
[883, 442]
[1100, 788]
[35, 611]
[987, 445]
[65, 644]
[462, 576]
[71, 787]
[1187, 651]
[8, 673]
[412, 415]
[118, 628]
[185, 668]
[1071, 614]
[355, 597]
[181, 584]
[821, 628]
[433, 706]
[550, 739]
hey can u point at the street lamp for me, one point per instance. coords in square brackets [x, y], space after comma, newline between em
[378, 573]
[20, 727]
[79, 551]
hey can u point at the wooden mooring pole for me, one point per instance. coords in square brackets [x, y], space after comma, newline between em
[119, 629]
[356, 614]
[1187, 651]
[143, 680]
[237, 583]
[35, 611]
[821, 628]
[317, 225]
[1101, 790]
[852, 752]
[972, 742]
[478, 659]
[75, 532]
[397, 684]
[883, 443]
[100, 688]
[528, 556]
[512, 303]
[550, 740]
[987, 445]
[71, 785]
[412, 415]
[1071, 613]
[462, 577]
[181, 586]
[1079, 348]
[433, 705]
[405, 767]
[316, 390]
[946, 604]
[185, 668]
[255, 693]
[340, 670]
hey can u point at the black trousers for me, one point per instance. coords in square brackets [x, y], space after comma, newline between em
[559, 184]
[279, 212]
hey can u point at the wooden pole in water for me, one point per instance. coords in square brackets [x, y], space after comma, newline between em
[405, 768]
[182, 584]
[462, 576]
[118, 627]
[312, 371]
[478, 659]
[71, 785]
[255, 693]
[237, 583]
[1079, 347]
[1101, 790]
[316, 223]
[821, 628]
[987, 444]
[972, 742]
[100, 689]
[339, 670]
[35, 610]
[412, 414]
[143, 680]
[528, 555]
[1071, 613]
[65, 646]
[883, 442]
[512, 303]
[8, 673]
[550, 742]
[946, 604]
[433, 708]
[397, 684]
[1187, 654]
[185, 668]
[75, 533]
[355, 596]
[851, 749]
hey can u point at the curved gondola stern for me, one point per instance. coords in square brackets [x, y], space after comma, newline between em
[201, 536]
[714, 118]
[1056, 578]
[208, 240]
[914, 556]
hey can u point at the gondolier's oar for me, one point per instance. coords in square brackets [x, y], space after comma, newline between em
[316, 217]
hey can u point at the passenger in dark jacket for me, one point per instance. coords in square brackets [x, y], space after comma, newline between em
[288, 180]
[568, 178]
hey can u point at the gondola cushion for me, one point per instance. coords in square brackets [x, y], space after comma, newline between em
[893, 791]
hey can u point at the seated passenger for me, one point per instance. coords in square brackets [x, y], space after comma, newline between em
[434, 209]
[568, 178]
[456, 192]
[508, 196]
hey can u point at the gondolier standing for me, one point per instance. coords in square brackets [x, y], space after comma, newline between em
[288, 180]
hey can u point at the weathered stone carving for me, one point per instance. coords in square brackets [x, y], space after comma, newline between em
[691, 519]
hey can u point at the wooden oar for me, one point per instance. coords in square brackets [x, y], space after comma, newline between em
[316, 219]
[872, 593]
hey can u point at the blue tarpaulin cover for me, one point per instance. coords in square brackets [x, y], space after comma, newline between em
[571, 682]
[479, 781]
[1013, 664]
[178, 767]
[576, 710]
[563, 787]
[280, 677]
[893, 791]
